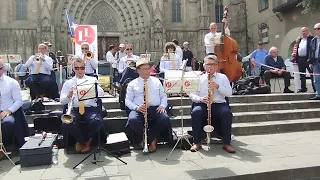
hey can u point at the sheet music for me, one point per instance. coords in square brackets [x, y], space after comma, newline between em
[86, 89]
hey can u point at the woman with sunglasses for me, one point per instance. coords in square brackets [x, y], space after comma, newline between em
[123, 64]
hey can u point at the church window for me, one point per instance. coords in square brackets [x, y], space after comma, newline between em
[219, 10]
[263, 4]
[21, 10]
[176, 11]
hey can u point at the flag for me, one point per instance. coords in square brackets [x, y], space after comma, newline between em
[71, 24]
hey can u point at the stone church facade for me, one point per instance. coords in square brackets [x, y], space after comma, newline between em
[147, 24]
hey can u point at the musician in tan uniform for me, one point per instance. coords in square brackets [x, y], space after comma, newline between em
[221, 115]
[86, 110]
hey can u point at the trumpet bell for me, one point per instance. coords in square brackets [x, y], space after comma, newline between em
[208, 128]
[89, 55]
[66, 118]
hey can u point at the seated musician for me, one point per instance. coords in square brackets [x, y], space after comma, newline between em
[221, 115]
[169, 60]
[91, 63]
[84, 110]
[123, 64]
[10, 103]
[278, 70]
[156, 100]
[40, 66]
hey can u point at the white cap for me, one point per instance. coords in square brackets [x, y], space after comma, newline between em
[121, 45]
[186, 43]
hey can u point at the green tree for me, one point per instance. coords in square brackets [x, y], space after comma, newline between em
[309, 6]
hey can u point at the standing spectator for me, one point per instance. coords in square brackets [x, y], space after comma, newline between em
[178, 50]
[301, 57]
[188, 55]
[314, 59]
[112, 61]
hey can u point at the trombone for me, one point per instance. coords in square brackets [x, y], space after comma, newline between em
[67, 118]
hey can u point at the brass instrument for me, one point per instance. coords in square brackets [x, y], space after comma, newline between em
[88, 55]
[67, 118]
[208, 128]
[145, 135]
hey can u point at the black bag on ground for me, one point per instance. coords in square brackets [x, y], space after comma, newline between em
[250, 85]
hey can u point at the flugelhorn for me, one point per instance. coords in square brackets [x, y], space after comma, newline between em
[145, 135]
[67, 118]
[208, 128]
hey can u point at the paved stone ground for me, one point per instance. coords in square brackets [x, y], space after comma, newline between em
[255, 154]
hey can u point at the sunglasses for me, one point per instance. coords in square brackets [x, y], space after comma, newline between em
[129, 49]
[316, 28]
[79, 68]
[84, 48]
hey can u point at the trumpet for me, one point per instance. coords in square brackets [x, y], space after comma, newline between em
[208, 128]
[145, 135]
[88, 55]
[67, 118]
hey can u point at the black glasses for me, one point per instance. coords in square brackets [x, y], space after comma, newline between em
[84, 48]
[316, 28]
[79, 68]
[129, 49]
[212, 64]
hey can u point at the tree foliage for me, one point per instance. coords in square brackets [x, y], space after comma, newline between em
[309, 6]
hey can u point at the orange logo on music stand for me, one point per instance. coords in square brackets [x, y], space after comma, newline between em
[168, 84]
[83, 92]
[187, 83]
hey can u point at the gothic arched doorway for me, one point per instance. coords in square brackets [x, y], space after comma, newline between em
[106, 20]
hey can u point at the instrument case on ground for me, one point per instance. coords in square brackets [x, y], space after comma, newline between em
[118, 143]
[31, 154]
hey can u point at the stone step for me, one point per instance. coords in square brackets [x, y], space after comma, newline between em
[270, 127]
[240, 107]
[112, 103]
[116, 124]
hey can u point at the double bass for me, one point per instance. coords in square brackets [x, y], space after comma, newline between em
[227, 51]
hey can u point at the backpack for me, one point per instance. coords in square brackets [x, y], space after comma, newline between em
[250, 85]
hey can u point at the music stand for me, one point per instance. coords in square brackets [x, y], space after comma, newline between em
[179, 81]
[89, 90]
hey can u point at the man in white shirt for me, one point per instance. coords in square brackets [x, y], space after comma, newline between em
[40, 79]
[156, 103]
[10, 102]
[121, 53]
[209, 39]
[112, 61]
[86, 110]
[92, 63]
[221, 115]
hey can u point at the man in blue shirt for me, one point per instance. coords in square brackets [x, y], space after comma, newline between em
[21, 72]
[257, 56]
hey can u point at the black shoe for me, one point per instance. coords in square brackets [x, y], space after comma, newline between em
[287, 90]
[302, 90]
[315, 98]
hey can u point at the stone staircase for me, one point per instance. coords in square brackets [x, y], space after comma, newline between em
[253, 114]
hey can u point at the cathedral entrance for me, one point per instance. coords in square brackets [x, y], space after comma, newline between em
[103, 44]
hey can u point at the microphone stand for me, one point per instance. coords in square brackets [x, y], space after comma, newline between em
[99, 147]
